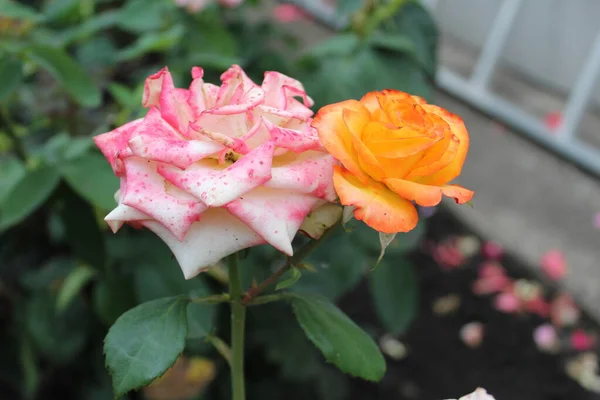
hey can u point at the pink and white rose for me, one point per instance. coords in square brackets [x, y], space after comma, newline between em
[216, 169]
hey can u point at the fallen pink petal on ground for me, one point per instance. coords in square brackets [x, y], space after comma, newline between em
[492, 250]
[472, 334]
[564, 311]
[554, 264]
[546, 338]
[507, 302]
[581, 340]
[553, 120]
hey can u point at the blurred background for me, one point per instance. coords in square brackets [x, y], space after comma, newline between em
[503, 294]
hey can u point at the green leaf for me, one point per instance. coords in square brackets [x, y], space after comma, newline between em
[123, 95]
[27, 195]
[417, 24]
[275, 330]
[293, 277]
[340, 266]
[144, 342]
[82, 231]
[92, 178]
[48, 275]
[11, 73]
[394, 288]
[152, 42]
[339, 45]
[397, 43]
[12, 172]
[89, 27]
[112, 297]
[72, 285]
[68, 73]
[15, 10]
[349, 7]
[340, 340]
[61, 337]
[60, 9]
[200, 319]
[142, 16]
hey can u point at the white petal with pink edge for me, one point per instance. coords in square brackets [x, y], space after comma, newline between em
[147, 192]
[217, 235]
[274, 214]
[215, 187]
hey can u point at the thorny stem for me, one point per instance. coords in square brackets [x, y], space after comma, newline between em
[289, 262]
[238, 315]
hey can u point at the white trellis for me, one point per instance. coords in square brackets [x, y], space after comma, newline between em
[475, 91]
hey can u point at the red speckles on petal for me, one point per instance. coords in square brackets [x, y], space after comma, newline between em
[201, 149]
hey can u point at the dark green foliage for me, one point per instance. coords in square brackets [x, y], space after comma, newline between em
[73, 69]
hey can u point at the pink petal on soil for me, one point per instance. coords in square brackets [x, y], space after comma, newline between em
[554, 264]
[507, 302]
[492, 250]
[491, 284]
[538, 306]
[545, 338]
[581, 340]
[553, 120]
[472, 334]
[564, 311]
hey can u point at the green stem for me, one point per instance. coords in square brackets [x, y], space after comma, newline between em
[252, 293]
[238, 315]
[17, 143]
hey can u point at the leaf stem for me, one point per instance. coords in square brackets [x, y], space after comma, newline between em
[17, 143]
[221, 347]
[214, 299]
[289, 262]
[238, 315]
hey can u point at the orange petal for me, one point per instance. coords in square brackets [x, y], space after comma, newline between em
[458, 128]
[376, 205]
[427, 195]
[336, 137]
[356, 122]
[458, 193]
[393, 94]
[422, 169]
[371, 102]
[390, 142]
[423, 195]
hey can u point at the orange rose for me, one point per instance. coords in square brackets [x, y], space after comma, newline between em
[395, 149]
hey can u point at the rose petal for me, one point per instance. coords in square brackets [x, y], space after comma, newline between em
[176, 210]
[112, 143]
[309, 173]
[425, 195]
[215, 187]
[274, 214]
[181, 153]
[458, 128]
[174, 106]
[554, 264]
[336, 137]
[377, 206]
[153, 87]
[199, 250]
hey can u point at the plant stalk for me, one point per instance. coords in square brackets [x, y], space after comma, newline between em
[238, 315]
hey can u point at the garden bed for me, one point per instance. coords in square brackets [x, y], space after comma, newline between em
[438, 365]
